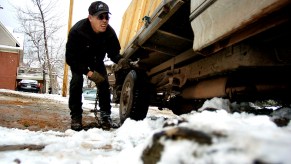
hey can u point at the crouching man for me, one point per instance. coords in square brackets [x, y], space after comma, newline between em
[88, 42]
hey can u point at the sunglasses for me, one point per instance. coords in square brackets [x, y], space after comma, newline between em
[103, 16]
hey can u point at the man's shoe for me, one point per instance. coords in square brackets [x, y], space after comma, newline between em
[106, 122]
[76, 124]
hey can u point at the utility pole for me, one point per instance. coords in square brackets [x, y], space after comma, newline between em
[65, 78]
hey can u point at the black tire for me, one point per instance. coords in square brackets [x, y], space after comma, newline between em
[134, 98]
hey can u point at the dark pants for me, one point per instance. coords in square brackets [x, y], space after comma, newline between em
[75, 97]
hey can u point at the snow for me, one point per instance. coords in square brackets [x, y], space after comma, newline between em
[240, 138]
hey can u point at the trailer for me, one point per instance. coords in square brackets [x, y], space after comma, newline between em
[188, 51]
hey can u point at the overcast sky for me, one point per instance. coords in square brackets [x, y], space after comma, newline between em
[80, 11]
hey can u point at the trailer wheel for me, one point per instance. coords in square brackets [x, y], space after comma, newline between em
[134, 98]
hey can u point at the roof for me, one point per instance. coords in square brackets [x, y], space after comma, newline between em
[7, 39]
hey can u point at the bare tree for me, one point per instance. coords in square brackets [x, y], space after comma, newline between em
[40, 25]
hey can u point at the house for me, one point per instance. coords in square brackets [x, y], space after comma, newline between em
[11, 53]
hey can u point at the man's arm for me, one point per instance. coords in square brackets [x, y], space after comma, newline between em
[113, 46]
[73, 54]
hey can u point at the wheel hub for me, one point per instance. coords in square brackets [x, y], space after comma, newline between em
[125, 98]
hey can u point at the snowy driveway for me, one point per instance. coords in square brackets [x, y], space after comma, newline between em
[198, 137]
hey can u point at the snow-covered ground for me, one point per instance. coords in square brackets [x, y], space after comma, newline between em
[235, 138]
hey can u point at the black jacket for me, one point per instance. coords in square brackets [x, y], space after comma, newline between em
[85, 50]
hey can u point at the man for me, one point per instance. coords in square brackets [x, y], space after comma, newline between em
[88, 42]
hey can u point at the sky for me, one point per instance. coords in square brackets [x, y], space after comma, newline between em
[80, 11]
[239, 138]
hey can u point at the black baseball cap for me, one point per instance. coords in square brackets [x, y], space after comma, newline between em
[98, 7]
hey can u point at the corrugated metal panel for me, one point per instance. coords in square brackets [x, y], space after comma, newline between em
[132, 19]
[8, 70]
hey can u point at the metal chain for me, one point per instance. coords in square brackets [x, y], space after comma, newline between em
[96, 111]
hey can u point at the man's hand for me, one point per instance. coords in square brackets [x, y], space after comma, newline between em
[123, 63]
[96, 77]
